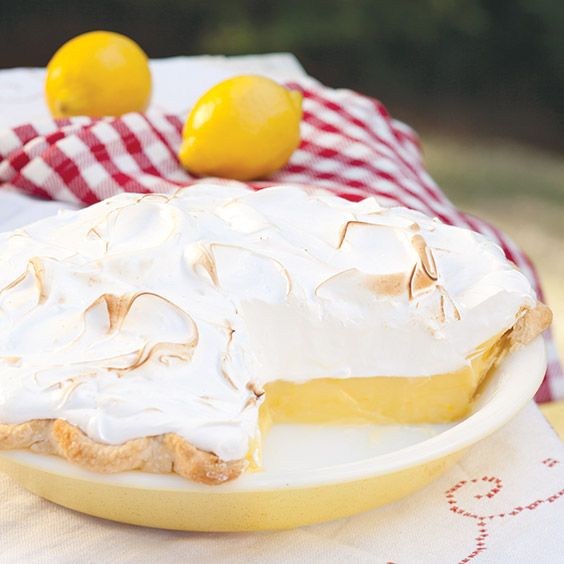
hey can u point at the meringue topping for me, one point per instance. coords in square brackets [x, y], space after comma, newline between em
[149, 314]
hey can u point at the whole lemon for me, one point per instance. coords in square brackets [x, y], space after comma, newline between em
[97, 74]
[245, 127]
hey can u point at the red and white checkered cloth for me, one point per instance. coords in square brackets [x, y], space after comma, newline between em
[350, 146]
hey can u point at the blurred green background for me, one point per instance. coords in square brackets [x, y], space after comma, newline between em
[482, 82]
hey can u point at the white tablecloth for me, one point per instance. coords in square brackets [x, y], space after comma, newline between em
[525, 456]
[523, 521]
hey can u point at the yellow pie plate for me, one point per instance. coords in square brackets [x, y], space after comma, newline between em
[312, 473]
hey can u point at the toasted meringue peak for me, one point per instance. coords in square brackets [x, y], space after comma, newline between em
[151, 314]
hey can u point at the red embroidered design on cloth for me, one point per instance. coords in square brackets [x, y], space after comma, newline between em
[483, 520]
[350, 146]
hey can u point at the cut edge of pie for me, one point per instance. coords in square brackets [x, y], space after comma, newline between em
[171, 453]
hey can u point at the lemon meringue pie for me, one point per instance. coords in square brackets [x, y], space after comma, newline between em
[166, 333]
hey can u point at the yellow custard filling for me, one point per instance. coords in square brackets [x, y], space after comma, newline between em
[424, 399]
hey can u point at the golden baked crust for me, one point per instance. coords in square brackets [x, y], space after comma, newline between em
[170, 452]
[159, 454]
[530, 325]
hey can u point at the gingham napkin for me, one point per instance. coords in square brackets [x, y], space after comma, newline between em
[350, 146]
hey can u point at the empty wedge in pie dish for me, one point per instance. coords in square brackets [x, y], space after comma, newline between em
[167, 333]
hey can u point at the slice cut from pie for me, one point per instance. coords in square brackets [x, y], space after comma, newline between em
[166, 333]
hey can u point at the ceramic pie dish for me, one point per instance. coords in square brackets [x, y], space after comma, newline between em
[301, 482]
[190, 333]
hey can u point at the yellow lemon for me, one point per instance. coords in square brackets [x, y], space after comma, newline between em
[244, 128]
[100, 73]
